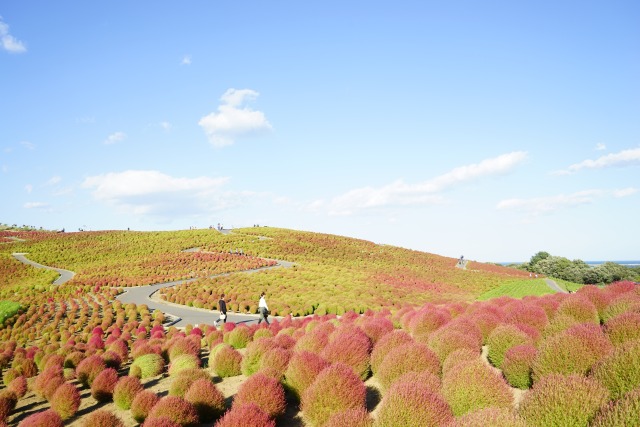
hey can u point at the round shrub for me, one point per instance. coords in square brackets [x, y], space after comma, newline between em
[239, 337]
[427, 320]
[264, 391]
[175, 409]
[102, 418]
[125, 391]
[252, 358]
[182, 382]
[19, 386]
[622, 328]
[385, 345]
[160, 422]
[376, 327]
[248, 414]
[226, 362]
[624, 303]
[180, 345]
[517, 364]
[528, 314]
[620, 413]
[104, 384]
[427, 379]
[619, 371]
[66, 401]
[46, 418]
[284, 340]
[206, 398]
[410, 357]
[573, 351]
[502, 339]
[410, 403]
[494, 417]
[350, 417]
[335, 389]
[142, 404]
[8, 401]
[182, 362]
[350, 346]
[458, 356]
[274, 363]
[89, 369]
[580, 308]
[313, 340]
[563, 400]
[302, 370]
[447, 340]
[559, 324]
[474, 385]
[149, 365]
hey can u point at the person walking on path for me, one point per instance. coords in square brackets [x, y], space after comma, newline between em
[263, 309]
[222, 306]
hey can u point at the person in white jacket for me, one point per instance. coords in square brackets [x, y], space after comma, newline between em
[263, 309]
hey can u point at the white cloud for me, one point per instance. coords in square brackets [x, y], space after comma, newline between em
[54, 180]
[28, 188]
[400, 193]
[232, 120]
[10, 43]
[600, 146]
[28, 145]
[547, 205]
[186, 60]
[166, 126]
[38, 205]
[115, 137]
[624, 158]
[148, 192]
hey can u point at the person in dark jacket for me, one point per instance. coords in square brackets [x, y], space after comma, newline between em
[222, 306]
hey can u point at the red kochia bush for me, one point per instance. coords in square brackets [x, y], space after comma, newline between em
[619, 371]
[142, 404]
[104, 384]
[19, 386]
[274, 362]
[493, 417]
[474, 385]
[245, 415]
[387, 343]
[102, 418]
[206, 398]
[264, 391]
[622, 328]
[8, 401]
[66, 401]
[350, 346]
[428, 319]
[526, 313]
[302, 370]
[125, 391]
[413, 404]
[335, 389]
[559, 400]
[447, 340]
[89, 369]
[409, 357]
[580, 308]
[47, 418]
[176, 409]
[375, 327]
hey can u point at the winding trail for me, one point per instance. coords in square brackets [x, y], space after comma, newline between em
[65, 275]
[553, 285]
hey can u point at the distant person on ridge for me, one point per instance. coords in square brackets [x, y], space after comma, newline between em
[222, 306]
[263, 309]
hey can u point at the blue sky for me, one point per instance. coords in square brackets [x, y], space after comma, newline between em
[491, 129]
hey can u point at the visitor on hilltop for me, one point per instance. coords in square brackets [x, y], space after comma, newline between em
[222, 306]
[263, 309]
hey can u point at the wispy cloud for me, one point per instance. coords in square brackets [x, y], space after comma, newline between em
[624, 158]
[166, 126]
[28, 145]
[54, 180]
[28, 188]
[38, 205]
[149, 192]
[186, 60]
[399, 193]
[537, 206]
[115, 138]
[600, 146]
[232, 120]
[10, 43]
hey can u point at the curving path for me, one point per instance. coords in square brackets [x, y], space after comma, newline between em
[553, 285]
[65, 275]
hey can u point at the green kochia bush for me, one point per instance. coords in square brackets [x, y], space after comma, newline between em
[563, 400]
[501, 339]
[517, 363]
[623, 328]
[411, 357]
[413, 404]
[149, 365]
[350, 417]
[142, 404]
[302, 370]
[252, 358]
[335, 389]
[385, 345]
[489, 417]
[620, 413]
[474, 385]
[619, 371]
[125, 391]
[227, 361]
[175, 409]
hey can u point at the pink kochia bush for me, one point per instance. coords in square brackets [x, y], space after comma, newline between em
[350, 417]
[410, 357]
[142, 404]
[563, 400]
[493, 417]
[47, 418]
[264, 391]
[474, 385]
[175, 409]
[66, 401]
[501, 339]
[245, 415]
[125, 391]
[385, 345]
[350, 346]
[104, 384]
[89, 369]
[517, 363]
[302, 370]
[409, 403]
[619, 371]
[623, 328]
[335, 389]
[102, 418]
[623, 412]
[580, 308]
[206, 398]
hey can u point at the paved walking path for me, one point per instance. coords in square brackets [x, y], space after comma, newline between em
[65, 275]
[553, 285]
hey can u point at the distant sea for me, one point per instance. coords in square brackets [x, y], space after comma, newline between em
[591, 263]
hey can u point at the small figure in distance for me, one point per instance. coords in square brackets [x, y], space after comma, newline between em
[222, 306]
[263, 309]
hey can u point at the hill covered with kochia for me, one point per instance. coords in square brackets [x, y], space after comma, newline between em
[334, 274]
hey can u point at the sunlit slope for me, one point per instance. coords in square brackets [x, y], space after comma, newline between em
[335, 274]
